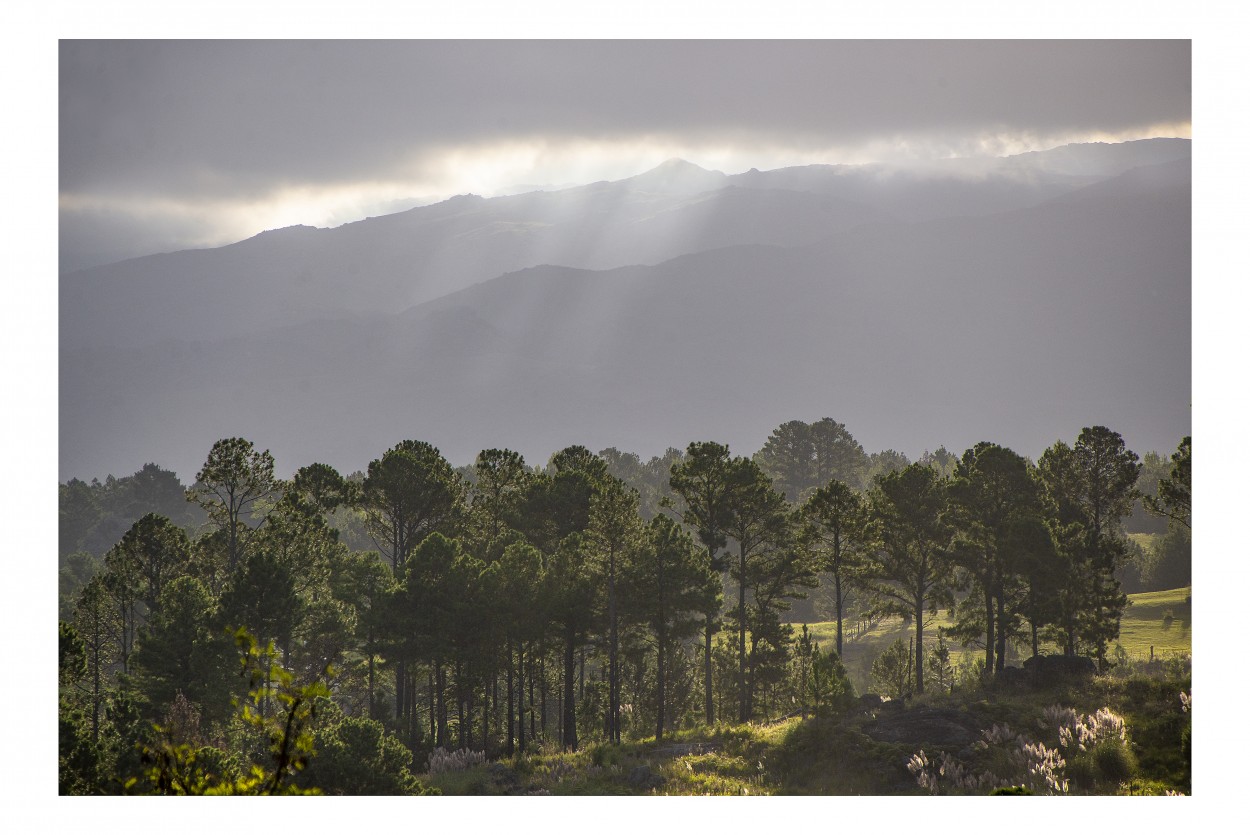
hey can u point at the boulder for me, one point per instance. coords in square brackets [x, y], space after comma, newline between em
[869, 702]
[642, 778]
[926, 726]
[1010, 677]
[1043, 669]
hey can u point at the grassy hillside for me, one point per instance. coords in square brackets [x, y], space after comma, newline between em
[863, 750]
[1142, 627]
[1144, 624]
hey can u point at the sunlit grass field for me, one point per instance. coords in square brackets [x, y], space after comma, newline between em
[1142, 627]
[1144, 624]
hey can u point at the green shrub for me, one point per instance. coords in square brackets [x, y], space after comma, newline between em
[356, 756]
[1115, 761]
[476, 780]
[1081, 771]
[605, 754]
[892, 671]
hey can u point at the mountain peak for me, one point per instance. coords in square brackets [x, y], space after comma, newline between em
[677, 176]
[679, 164]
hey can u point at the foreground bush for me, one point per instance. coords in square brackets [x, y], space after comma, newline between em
[1082, 752]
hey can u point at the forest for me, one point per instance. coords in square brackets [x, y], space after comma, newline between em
[809, 619]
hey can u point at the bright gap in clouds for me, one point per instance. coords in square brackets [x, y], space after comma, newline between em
[510, 167]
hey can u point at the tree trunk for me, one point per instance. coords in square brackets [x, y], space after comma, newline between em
[708, 706]
[569, 720]
[95, 686]
[750, 679]
[460, 723]
[743, 707]
[614, 676]
[372, 711]
[1000, 661]
[542, 690]
[521, 679]
[919, 646]
[429, 692]
[837, 603]
[989, 631]
[659, 689]
[399, 689]
[509, 745]
[486, 712]
[440, 695]
[232, 518]
[413, 724]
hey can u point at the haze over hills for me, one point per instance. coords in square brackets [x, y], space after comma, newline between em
[380, 265]
[1017, 326]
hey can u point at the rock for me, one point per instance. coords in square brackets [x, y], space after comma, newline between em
[870, 702]
[927, 726]
[641, 777]
[1010, 677]
[1043, 669]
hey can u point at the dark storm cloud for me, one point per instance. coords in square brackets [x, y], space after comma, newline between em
[243, 118]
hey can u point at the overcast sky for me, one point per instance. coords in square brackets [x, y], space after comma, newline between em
[171, 144]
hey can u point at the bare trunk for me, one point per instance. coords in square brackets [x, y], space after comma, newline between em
[1000, 661]
[837, 603]
[440, 697]
[485, 714]
[510, 739]
[521, 679]
[708, 706]
[399, 689]
[743, 707]
[614, 673]
[919, 646]
[542, 690]
[95, 687]
[372, 711]
[569, 721]
[989, 631]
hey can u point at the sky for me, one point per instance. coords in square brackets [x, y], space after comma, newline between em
[167, 145]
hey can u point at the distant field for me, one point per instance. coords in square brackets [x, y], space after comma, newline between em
[1141, 628]
[1145, 540]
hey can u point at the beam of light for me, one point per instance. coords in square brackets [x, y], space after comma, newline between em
[499, 168]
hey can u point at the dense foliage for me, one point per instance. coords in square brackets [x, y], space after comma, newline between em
[246, 638]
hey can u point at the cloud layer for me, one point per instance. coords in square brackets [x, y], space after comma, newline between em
[200, 142]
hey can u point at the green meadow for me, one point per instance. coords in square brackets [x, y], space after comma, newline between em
[1145, 628]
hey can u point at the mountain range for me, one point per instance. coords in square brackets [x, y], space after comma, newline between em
[1014, 300]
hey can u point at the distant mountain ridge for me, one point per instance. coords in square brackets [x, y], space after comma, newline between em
[1018, 326]
[378, 265]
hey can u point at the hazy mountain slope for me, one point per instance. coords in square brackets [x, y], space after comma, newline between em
[960, 187]
[1019, 328]
[301, 274]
